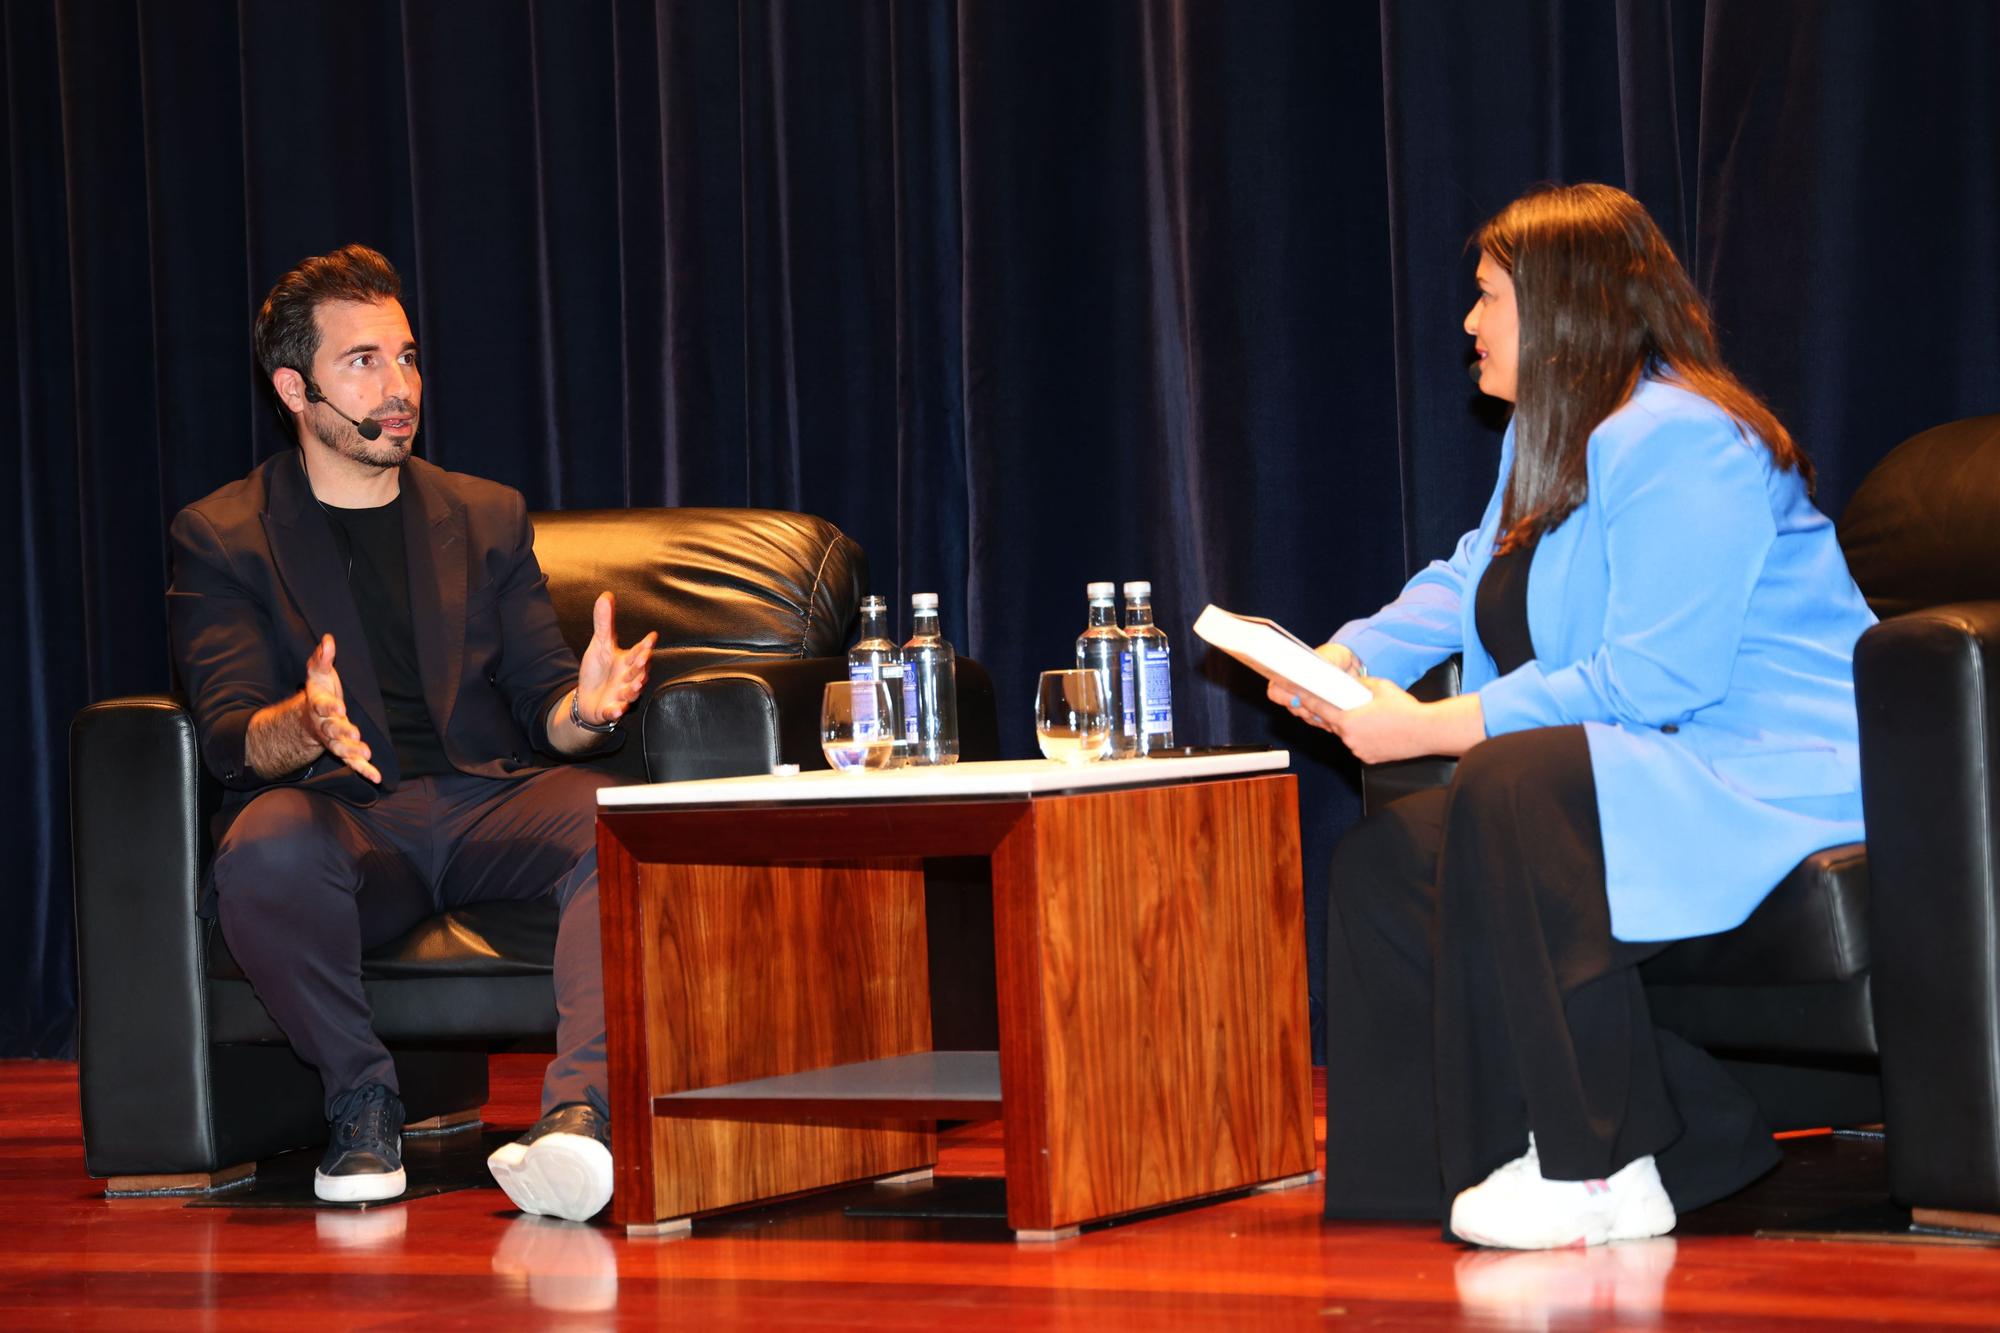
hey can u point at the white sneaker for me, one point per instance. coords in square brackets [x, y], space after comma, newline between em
[1517, 1208]
[561, 1167]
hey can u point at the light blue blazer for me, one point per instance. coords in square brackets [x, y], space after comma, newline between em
[1696, 616]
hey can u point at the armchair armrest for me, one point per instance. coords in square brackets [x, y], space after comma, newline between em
[1928, 689]
[137, 837]
[731, 721]
[1383, 783]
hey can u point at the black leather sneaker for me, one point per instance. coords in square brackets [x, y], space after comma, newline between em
[364, 1158]
[561, 1167]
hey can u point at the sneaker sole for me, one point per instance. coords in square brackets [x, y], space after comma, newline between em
[1644, 1220]
[560, 1175]
[1473, 1236]
[368, 1187]
[1654, 1217]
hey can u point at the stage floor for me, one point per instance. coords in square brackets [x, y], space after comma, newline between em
[465, 1260]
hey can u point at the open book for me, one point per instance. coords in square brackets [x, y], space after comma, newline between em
[1270, 649]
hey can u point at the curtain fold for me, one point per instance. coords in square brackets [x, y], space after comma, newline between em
[46, 674]
[1019, 295]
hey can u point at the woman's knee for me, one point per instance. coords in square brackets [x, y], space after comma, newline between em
[1537, 764]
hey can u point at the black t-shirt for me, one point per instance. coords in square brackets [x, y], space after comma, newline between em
[378, 574]
[1500, 608]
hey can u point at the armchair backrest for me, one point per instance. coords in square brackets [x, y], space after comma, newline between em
[1921, 530]
[720, 585]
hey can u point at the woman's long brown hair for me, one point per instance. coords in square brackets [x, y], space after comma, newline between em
[1601, 299]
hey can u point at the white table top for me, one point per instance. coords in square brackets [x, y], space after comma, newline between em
[1004, 777]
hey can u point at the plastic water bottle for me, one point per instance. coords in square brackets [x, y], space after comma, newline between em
[930, 686]
[1148, 684]
[876, 657]
[1101, 648]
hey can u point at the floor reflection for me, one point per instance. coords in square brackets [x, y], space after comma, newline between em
[569, 1267]
[368, 1228]
[1576, 1288]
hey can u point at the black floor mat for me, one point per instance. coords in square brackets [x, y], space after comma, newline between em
[982, 1197]
[1884, 1222]
[1830, 1187]
[432, 1164]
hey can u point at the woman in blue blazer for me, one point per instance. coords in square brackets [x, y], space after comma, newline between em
[1658, 723]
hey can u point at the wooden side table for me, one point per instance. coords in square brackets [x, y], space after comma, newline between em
[768, 993]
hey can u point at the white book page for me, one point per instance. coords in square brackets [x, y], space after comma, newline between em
[1274, 651]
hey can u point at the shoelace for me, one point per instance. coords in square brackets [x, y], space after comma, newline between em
[373, 1113]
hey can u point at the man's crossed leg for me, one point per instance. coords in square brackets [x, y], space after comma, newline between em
[306, 883]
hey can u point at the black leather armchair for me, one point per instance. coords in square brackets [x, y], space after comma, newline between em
[1922, 538]
[1867, 986]
[185, 1080]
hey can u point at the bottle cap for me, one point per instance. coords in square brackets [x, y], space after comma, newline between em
[1139, 588]
[1100, 592]
[922, 601]
[874, 603]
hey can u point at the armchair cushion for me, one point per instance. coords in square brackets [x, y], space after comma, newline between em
[1793, 979]
[501, 939]
[1813, 928]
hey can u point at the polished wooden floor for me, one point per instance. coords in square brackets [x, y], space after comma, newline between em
[75, 1260]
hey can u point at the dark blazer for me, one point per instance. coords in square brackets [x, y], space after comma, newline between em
[257, 579]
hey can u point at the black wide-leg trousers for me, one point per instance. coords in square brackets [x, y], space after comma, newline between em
[304, 883]
[1475, 995]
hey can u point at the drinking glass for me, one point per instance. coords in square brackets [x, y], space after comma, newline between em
[1072, 716]
[856, 725]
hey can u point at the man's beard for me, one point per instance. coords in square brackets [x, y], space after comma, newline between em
[341, 437]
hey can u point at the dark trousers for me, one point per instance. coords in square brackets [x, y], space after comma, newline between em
[304, 883]
[1475, 994]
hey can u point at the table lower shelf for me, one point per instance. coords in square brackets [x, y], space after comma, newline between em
[928, 1085]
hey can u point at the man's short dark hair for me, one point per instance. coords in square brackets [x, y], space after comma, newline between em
[287, 333]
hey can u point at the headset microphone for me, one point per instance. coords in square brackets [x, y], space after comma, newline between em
[368, 427]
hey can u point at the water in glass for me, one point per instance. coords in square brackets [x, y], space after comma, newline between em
[857, 725]
[1072, 716]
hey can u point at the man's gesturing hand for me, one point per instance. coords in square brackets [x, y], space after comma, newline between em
[326, 713]
[609, 678]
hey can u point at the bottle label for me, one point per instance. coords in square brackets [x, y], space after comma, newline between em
[862, 670]
[893, 725]
[867, 720]
[1156, 691]
[1126, 692]
[910, 707]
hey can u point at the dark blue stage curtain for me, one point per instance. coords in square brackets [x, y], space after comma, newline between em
[1019, 294]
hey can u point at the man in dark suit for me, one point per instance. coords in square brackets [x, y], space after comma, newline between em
[378, 681]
